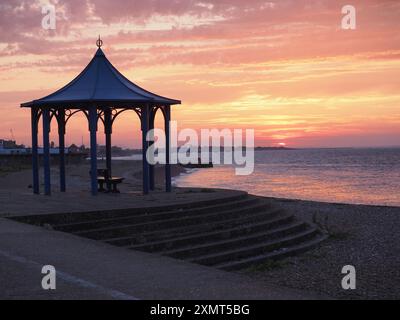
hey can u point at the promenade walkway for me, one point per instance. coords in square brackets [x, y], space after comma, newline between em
[88, 269]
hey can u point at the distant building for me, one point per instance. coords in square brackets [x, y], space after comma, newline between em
[73, 148]
[52, 151]
[10, 147]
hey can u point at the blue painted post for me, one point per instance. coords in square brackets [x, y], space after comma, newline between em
[46, 150]
[167, 149]
[108, 132]
[61, 148]
[35, 160]
[145, 125]
[93, 148]
[151, 167]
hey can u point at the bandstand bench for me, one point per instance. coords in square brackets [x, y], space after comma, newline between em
[110, 182]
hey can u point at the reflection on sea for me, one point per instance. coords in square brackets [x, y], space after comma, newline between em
[364, 176]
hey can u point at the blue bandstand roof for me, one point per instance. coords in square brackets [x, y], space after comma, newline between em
[100, 84]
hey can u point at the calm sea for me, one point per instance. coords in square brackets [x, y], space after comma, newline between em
[362, 176]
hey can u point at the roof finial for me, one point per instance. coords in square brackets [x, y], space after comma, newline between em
[99, 42]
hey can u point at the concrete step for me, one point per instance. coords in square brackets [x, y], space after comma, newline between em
[179, 242]
[231, 232]
[129, 229]
[197, 229]
[274, 255]
[134, 218]
[193, 251]
[78, 217]
[242, 252]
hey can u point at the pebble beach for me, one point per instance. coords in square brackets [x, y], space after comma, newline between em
[366, 237]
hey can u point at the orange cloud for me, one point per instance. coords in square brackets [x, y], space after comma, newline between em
[284, 68]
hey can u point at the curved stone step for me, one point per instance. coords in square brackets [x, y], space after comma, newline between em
[72, 217]
[202, 237]
[185, 231]
[275, 255]
[234, 242]
[231, 231]
[254, 249]
[102, 233]
[134, 218]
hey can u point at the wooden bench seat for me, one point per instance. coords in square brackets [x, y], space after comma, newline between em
[113, 181]
[110, 182]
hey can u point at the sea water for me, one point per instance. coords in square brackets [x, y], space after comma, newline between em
[345, 175]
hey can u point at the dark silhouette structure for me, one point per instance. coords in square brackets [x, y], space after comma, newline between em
[102, 93]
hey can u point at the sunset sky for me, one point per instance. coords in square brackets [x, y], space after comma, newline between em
[285, 68]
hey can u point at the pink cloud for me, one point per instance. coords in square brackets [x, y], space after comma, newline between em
[245, 47]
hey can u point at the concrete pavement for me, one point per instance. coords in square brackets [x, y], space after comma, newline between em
[87, 269]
